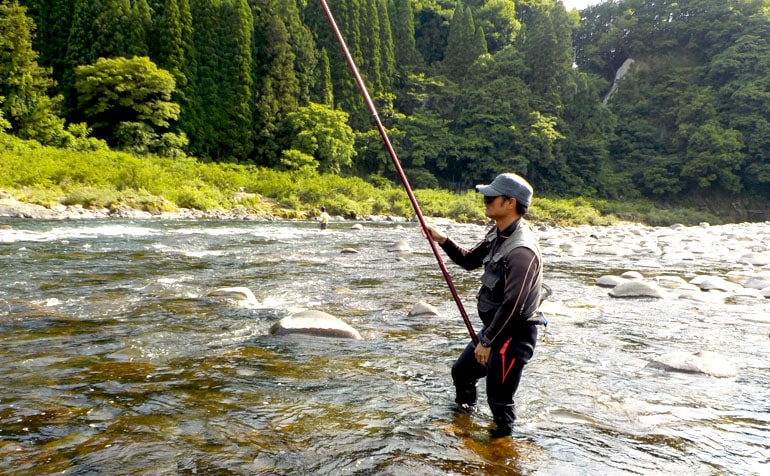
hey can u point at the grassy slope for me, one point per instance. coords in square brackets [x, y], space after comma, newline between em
[106, 179]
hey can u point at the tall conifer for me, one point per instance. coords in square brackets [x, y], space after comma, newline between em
[387, 47]
[276, 80]
[80, 50]
[53, 19]
[371, 54]
[222, 128]
[140, 27]
[302, 46]
[465, 43]
[322, 90]
[114, 27]
[402, 26]
[23, 83]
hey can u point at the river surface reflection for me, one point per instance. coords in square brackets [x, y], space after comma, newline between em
[114, 360]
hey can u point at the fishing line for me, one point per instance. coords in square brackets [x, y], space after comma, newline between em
[397, 164]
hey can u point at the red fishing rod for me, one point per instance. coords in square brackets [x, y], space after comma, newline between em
[400, 170]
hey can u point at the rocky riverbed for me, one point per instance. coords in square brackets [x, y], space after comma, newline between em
[13, 208]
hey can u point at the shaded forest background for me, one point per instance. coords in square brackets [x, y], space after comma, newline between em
[466, 89]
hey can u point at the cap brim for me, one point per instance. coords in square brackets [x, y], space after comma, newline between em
[488, 190]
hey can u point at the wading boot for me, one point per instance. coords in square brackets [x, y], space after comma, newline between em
[504, 418]
[465, 399]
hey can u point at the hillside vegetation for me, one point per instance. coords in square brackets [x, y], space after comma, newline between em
[106, 179]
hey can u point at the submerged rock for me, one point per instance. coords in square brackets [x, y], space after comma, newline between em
[401, 247]
[703, 362]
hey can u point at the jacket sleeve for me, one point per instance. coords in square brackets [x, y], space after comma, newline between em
[466, 258]
[521, 272]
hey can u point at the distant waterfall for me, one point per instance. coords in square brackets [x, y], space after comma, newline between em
[618, 76]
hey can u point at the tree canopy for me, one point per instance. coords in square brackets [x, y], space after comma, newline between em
[466, 88]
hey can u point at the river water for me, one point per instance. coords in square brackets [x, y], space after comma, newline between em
[115, 359]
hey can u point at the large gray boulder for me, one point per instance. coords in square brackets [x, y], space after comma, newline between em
[315, 323]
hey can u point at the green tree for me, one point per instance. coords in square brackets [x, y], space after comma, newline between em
[304, 49]
[323, 92]
[588, 125]
[498, 20]
[128, 103]
[322, 133]
[740, 74]
[371, 55]
[465, 43]
[80, 50]
[223, 127]
[276, 80]
[387, 47]
[347, 15]
[171, 47]
[114, 28]
[547, 48]
[714, 159]
[431, 29]
[24, 84]
[493, 115]
[427, 150]
[53, 19]
[403, 34]
[140, 20]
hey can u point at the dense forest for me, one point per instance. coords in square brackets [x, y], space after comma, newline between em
[466, 88]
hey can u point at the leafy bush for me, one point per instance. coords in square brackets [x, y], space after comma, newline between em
[91, 196]
[567, 211]
[198, 198]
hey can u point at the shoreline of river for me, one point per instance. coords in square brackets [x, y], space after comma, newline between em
[12, 208]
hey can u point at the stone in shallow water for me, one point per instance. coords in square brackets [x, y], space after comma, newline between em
[704, 362]
[715, 283]
[572, 249]
[670, 282]
[755, 258]
[316, 323]
[239, 293]
[401, 247]
[609, 281]
[632, 289]
[706, 297]
[423, 309]
[757, 283]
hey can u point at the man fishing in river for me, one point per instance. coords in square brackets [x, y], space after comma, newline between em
[507, 300]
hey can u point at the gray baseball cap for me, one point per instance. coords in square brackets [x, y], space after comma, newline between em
[510, 185]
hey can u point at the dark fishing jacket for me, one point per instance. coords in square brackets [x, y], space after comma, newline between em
[510, 285]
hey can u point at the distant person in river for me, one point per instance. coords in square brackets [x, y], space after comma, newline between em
[507, 300]
[323, 219]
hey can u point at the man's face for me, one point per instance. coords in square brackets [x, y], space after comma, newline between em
[499, 206]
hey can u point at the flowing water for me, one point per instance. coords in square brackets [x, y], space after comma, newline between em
[115, 360]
